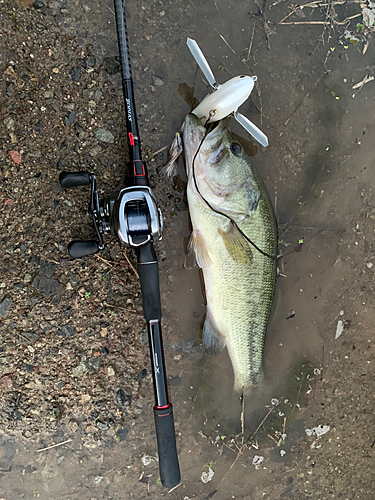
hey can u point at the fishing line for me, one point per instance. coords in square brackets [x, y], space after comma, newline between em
[218, 211]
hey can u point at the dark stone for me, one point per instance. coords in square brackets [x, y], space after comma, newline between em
[104, 351]
[56, 187]
[68, 330]
[70, 118]
[101, 426]
[47, 268]
[29, 368]
[48, 287]
[5, 305]
[142, 374]
[34, 259]
[33, 301]
[144, 337]
[78, 127]
[174, 381]
[10, 90]
[7, 453]
[94, 363]
[29, 469]
[11, 410]
[38, 5]
[123, 399]
[60, 385]
[39, 129]
[112, 65]
[90, 61]
[121, 434]
[75, 74]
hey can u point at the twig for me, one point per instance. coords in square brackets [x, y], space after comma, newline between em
[348, 19]
[174, 488]
[159, 151]
[231, 467]
[366, 79]
[251, 43]
[324, 22]
[131, 265]
[240, 451]
[303, 100]
[312, 5]
[48, 259]
[273, 439]
[299, 392]
[366, 46]
[110, 10]
[221, 36]
[104, 260]
[54, 445]
[231, 449]
[262, 422]
[306, 22]
[23, 337]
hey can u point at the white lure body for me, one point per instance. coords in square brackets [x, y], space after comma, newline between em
[226, 99]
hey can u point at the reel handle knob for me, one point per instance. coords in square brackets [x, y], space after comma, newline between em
[78, 249]
[73, 179]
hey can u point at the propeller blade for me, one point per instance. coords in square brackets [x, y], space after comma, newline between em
[253, 130]
[202, 62]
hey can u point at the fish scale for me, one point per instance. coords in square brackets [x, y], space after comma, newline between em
[239, 278]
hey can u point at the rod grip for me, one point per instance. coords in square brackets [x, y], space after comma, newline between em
[169, 468]
[73, 179]
[78, 249]
[148, 271]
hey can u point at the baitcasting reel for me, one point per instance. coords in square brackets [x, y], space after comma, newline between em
[131, 215]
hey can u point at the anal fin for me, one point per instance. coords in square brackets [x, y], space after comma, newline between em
[213, 340]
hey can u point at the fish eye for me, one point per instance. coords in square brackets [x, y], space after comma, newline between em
[236, 148]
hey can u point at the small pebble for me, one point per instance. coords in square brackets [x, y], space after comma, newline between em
[142, 374]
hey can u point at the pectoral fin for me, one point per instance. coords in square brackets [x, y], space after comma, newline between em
[198, 245]
[238, 248]
[213, 341]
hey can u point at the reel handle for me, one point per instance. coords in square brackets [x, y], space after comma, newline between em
[78, 249]
[73, 179]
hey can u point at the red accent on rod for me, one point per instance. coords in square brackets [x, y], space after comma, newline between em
[163, 407]
[131, 138]
[143, 174]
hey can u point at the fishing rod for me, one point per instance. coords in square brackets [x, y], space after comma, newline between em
[134, 217]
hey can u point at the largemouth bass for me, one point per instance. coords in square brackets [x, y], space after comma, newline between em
[235, 242]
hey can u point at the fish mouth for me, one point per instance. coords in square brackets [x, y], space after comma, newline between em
[211, 143]
[193, 129]
[216, 140]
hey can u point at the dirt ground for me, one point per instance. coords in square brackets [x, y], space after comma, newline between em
[75, 388]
